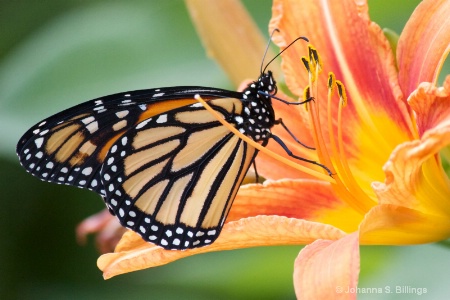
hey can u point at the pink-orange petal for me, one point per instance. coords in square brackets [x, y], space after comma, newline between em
[106, 228]
[397, 225]
[414, 175]
[424, 44]
[431, 105]
[328, 269]
[311, 200]
[134, 254]
[352, 47]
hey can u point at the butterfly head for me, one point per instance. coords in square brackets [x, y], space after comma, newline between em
[267, 84]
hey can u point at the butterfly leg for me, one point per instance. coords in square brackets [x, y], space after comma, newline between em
[280, 121]
[284, 101]
[289, 152]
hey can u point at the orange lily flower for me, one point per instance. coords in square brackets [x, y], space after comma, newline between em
[390, 187]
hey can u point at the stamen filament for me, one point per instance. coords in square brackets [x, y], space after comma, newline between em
[314, 112]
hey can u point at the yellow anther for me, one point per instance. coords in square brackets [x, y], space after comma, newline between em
[306, 64]
[341, 92]
[331, 82]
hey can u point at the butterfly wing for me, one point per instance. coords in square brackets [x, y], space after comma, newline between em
[172, 178]
[70, 147]
[161, 162]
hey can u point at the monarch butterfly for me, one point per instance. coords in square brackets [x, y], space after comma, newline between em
[162, 163]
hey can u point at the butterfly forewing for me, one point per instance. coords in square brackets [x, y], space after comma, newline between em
[70, 147]
[173, 177]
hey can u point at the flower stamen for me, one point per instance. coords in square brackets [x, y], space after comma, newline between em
[335, 158]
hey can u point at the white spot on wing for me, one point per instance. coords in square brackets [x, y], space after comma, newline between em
[197, 105]
[162, 119]
[88, 120]
[92, 127]
[39, 142]
[87, 171]
[122, 114]
[142, 124]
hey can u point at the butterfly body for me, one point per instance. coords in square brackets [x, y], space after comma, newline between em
[162, 163]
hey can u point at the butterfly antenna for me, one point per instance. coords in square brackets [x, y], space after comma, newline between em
[299, 38]
[267, 49]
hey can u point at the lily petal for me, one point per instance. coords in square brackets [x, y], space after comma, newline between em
[133, 253]
[424, 44]
[352, 47]
[310, 200]
[106, 227]
[230, 36]
[328, 269]
[396, 225]
[414, 175]
[431, 105]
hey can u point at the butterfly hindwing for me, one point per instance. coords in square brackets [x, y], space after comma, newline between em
[172, 178]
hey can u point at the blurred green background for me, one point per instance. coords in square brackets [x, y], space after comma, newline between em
[54, 54]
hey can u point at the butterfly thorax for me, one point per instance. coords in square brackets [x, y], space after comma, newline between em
[258, 116]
